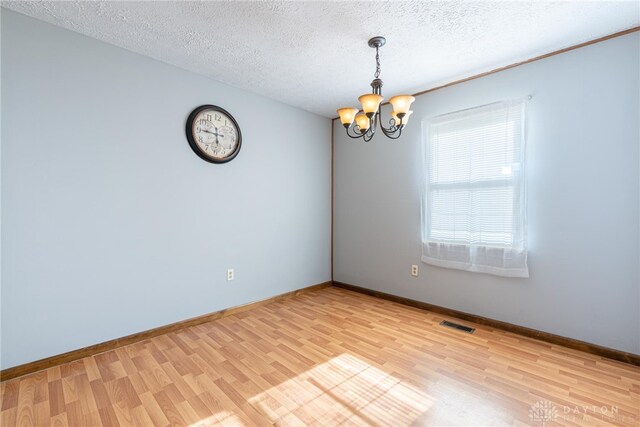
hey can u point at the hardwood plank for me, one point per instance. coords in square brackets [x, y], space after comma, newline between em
[26, 402]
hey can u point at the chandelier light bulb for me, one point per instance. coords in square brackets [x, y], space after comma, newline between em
[347, 115]
[402, 103]
[370, 103]
[363, 122]
[404, 119]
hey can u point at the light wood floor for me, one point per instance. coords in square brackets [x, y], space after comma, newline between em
[325, 358]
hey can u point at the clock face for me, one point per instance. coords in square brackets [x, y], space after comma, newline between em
[213, 134]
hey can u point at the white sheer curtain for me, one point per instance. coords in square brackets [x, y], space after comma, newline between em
[474, 204]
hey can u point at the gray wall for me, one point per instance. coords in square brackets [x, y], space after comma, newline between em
[584, 189]
[111, 224]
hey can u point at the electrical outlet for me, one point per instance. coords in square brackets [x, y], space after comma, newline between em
[230, 274]
[414, 270]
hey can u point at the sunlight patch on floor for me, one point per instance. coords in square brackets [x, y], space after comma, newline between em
[344, 389]
[224, 418]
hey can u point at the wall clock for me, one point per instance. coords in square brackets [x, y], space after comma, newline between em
[213, 134]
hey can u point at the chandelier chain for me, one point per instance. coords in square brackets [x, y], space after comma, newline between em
[377, 74]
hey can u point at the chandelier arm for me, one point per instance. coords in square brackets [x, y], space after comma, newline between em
[394, 132]
[391, 134]
[368, 136]
[355, 135]
[392, 129]
[394, 135]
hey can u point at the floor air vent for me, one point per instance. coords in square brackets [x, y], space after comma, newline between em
[458, 327]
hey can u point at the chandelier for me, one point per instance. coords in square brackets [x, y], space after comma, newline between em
[367, 122]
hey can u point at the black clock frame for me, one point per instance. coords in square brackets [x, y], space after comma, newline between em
[194, 144]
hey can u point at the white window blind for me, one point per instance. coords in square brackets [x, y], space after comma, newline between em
[474, 213]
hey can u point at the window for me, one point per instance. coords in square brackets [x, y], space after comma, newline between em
[474, 201]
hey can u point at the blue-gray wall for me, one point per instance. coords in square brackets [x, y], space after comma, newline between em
[111, 224]
[584, 189]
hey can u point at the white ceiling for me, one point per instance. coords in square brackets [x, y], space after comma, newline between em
[314, 55]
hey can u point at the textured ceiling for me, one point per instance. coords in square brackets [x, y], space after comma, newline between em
[314, 55]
